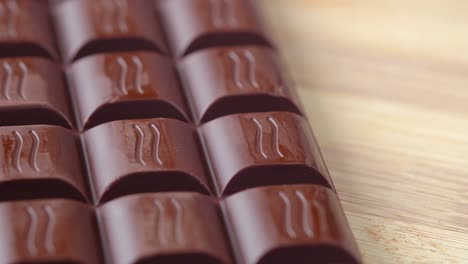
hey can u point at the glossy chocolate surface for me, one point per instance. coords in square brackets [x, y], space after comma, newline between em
[199, 24]
[33, 91]
[126, 85]
[290, 224]
[144, 155]
[25, 29]
[164, 228]
[48, 231]
[230, 80]
[39, 162]
[86, 27]
[250, 150]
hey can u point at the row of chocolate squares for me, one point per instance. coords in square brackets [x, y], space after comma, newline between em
[129, 156]
[267, 225]
[112, 86]
[87, 27]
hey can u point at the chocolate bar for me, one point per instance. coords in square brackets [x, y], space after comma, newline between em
[141, 131]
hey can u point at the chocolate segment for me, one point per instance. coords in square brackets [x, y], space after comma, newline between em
[32, 91]
[299, 224]
[25, 29]
[249, 150]
[144, 156]
[128, 85]
[86, 27]
[48, 231]
[229, 80]
[163, 228]
[39, 162]
[200, 24]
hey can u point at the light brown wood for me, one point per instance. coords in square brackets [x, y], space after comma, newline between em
[385, 87]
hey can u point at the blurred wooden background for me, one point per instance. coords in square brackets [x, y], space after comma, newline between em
[385, 86]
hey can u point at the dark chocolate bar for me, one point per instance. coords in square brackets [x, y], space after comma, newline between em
[122, 148]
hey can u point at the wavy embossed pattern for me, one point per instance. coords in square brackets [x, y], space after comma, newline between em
[32, 91]
[300, 224]
[133, 85]
[39, 161]
[41, 231]
[144, 155]
[163, 227]
[25, 30]
[86, 28]
[271, 148]
[219, 23]
[237, 79]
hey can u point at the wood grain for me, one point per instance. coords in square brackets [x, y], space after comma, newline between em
[385, 87]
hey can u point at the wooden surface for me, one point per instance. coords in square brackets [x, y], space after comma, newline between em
[385, 87]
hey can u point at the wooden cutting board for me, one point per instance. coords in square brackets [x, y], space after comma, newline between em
[385, 87]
